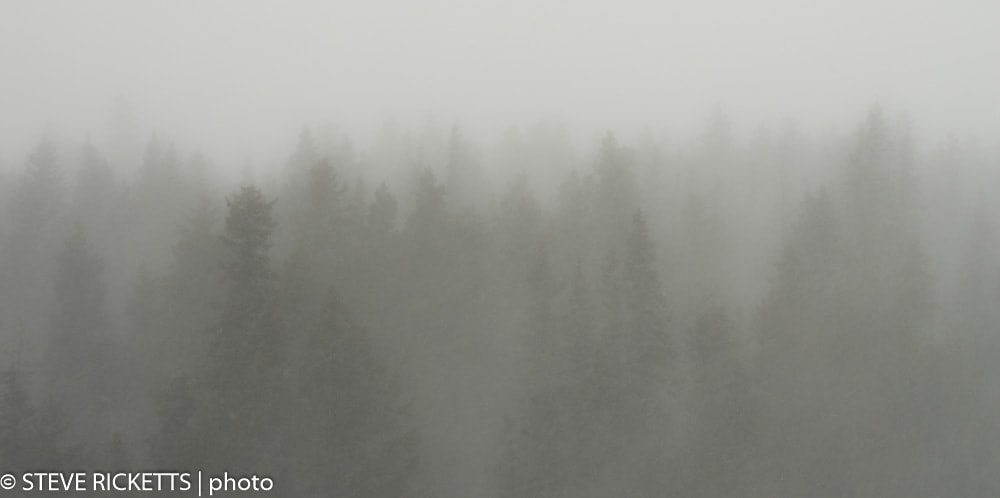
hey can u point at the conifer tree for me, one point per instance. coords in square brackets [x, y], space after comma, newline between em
[352, 432]
[80, 315]
[561, 438]
[96, 193]
[320, 214]
[33, 434]
[429, 215]
[192, 287]
[383, 212]
[160, 199]
[535, 462]
[297, 172]
[37, 225]
[78, 362]
[16, 413]
[579, 320]
[244, 380]
[616, 191]
[645, 339]
[722, 409]
[181, 438]
[519, 224]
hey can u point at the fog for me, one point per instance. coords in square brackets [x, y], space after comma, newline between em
[520, 249]
[239, 79]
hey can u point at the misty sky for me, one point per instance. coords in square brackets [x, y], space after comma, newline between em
[241, 78]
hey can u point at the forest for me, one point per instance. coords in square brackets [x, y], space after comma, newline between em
[776, 314]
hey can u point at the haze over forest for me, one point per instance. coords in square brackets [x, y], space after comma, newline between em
[520, 249]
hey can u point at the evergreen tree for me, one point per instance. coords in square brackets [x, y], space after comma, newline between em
[383, 212]
[352, 433]
[428, 219]
[96, 192]
[37, 224]
[541, 291]
[356, 214]
[320, 215]
[80, 317]
[848, 312]
[297, 172]
[173, 312]
[160, 169]
[567, 432]
[245, 377]
[519, 224]
[429, 234]
[963, 437]
[702, 247]
[79, 366]
[644, 378]
[180, 439]
[192, 288]
[611, 298]
[571, 225]
[649, 343]
[579, 320]
[722, 410]
[536, 461]
[159, 200]
[979, 278]
[616, 190]
[802, 437]
[16, 414]
[464, 178]
[150, 317]
[33, 435]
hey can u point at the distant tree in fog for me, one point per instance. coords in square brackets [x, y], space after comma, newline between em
[96, 194]
[33, 429]
[244, 379]
[37, 227]
[722, 411]
[350, 430]
[78, 363]
[383, 212]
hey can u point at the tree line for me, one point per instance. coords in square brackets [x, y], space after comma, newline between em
[780, 318]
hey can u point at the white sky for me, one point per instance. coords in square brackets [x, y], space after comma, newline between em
[241, 78]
